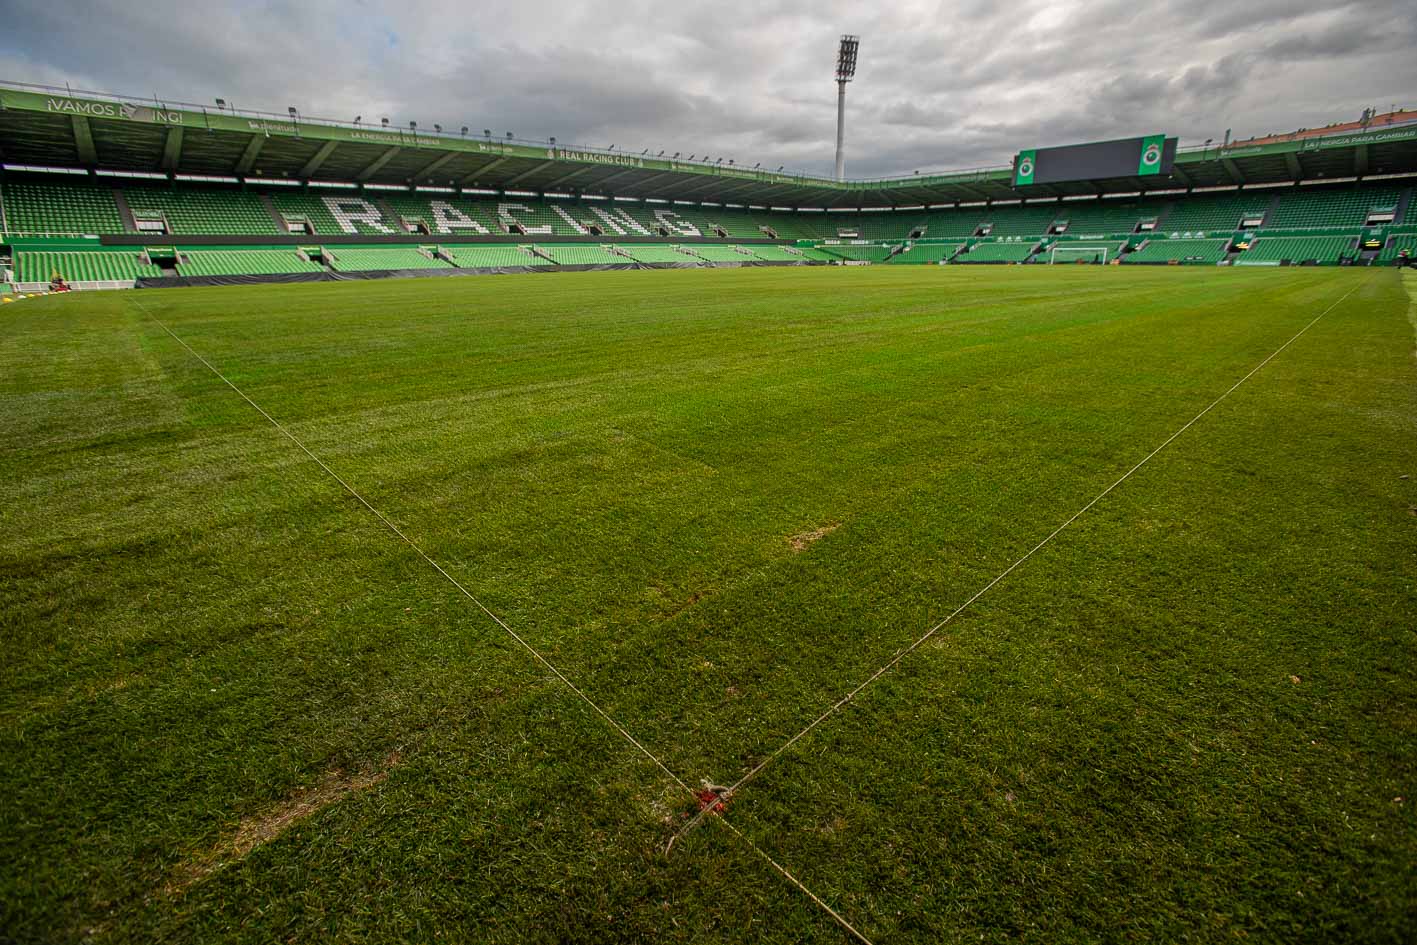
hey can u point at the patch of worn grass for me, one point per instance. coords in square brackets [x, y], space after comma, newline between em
[199, 626]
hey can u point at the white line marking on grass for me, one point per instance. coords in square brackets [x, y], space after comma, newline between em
[424, 555]
[795, 881]
[902, 654]
[498, 620]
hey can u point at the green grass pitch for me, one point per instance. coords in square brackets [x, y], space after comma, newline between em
[236, 708]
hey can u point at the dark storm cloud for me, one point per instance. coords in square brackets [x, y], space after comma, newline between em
[940, 85]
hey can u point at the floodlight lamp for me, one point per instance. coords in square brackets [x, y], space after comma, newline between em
[292, 111]
[221, 103]
[846, 57]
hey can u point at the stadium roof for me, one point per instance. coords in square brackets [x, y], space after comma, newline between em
[41, 126]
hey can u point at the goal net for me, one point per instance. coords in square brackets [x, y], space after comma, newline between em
[1079, 254]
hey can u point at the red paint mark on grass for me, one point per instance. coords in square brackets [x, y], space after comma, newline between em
[711, 800]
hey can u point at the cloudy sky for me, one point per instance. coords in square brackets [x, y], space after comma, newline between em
[940, 85]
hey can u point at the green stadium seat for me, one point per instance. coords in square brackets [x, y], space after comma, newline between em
[112, 266]
[192, 210]
[997, 252]
[1103, 217]
[442, 214]
[868, 254]
[658, 254]
[59, 206]
[332, 213]
[492, 257]
[956, 222]
[925, 254]
[580, 255]
[775, 253]
[1219, 211]
[1179, 251]
[243, 262]
[1396, 245]
[1298, 249]
[1337, 208]
[1028, 220]
[363, 259]
[721, 253]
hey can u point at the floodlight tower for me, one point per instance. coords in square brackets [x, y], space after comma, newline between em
[845, 69]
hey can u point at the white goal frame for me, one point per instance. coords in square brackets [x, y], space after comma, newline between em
[1105, 252]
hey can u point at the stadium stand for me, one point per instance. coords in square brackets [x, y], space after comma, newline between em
[1104, 216]
[1309, 224]
[1027, 220]
[959, 222]
[656, 254]
[573, 255]
[492, 257]
[1396, 245]
[59, 205]
[239, 262]
[774, 253]
[331, 214]
[925, 253]
[441, 214]
[1315, 208]
[1215, 211]
[83, 266]
[720, 253]
[885, 226]
[356, 259]
[1298, 249]
[525, 216]
[998, 252]
[1179, 251]
[199, 211]
[870, 254]
[788, 226]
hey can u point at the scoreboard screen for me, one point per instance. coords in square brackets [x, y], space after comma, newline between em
[1126, 157]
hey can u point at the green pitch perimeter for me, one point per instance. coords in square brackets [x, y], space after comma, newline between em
[237, 708]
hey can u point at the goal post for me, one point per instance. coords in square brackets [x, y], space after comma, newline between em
[1079, 254]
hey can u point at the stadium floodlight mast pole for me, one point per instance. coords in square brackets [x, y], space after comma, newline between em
[845, 70]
